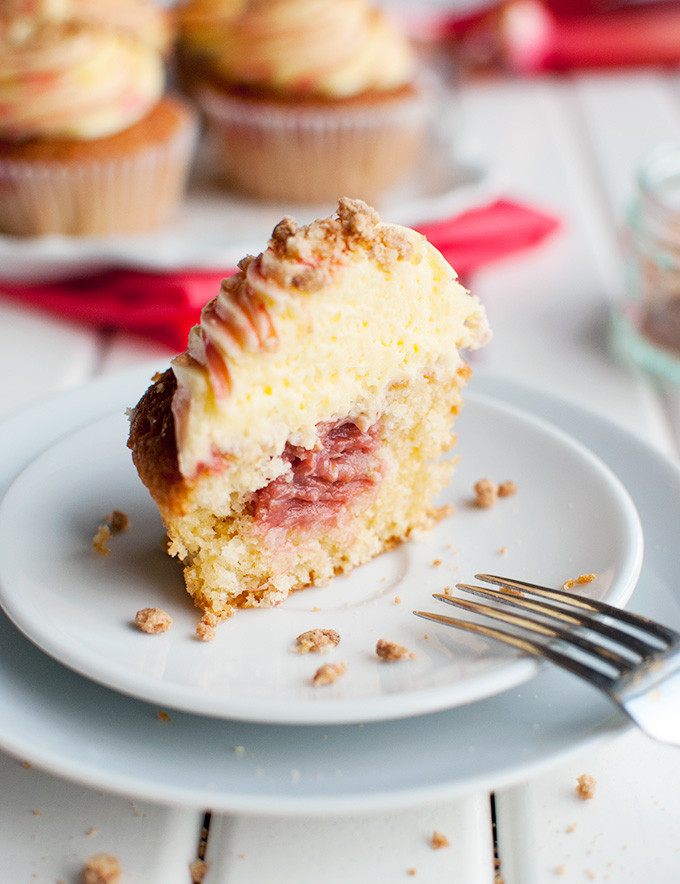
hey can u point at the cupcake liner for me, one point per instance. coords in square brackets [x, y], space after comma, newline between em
[134, 192]
[315, 153]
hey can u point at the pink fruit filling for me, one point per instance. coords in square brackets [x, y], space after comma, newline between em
[323, 484]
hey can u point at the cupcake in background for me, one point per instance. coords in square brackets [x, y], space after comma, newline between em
[306, 100]
[89, 143]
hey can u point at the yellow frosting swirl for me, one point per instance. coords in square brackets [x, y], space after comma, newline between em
[306, 47]
[78, 68]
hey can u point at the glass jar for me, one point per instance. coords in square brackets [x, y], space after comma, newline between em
[647, 321]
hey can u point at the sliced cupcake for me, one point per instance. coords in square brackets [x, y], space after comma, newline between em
[302, 431]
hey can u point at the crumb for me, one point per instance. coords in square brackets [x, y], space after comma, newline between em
[439, 840]
[573, 581]
[317, 641]
[163, 716]
[118, 522]
[390, 651]
[411, 872]
[571, 828]
[328, 673]
[205, 630]
[26, 765]
[561, 869]
[92, 832]
[135, 810]
[591, 874]
[36, 813]
[503, 550]
[100, 539]
[397, 600]
[507, 488]
[153, 620]
[486, 493]
[448, 590]
[102, 869]
[436, 562]
[239, 750]
[586, 787]
[198, 869]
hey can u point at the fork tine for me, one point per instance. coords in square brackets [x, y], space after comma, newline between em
[549, 630]
[663, 633]
[511, 597]
[539, 649]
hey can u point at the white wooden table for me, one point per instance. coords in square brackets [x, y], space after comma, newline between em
[569, 146]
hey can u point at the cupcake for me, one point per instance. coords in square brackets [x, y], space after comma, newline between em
[306, 100]
[304, 429]
[89, 144]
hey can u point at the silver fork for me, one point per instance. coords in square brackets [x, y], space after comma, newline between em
[635, 661]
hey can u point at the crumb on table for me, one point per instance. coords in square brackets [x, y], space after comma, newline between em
[198, 870]
[585, 787]
[153, 620]
[102, 868]
[317, 640]
[439, 840]
[328, 673]
[507, 488]
[390, 651]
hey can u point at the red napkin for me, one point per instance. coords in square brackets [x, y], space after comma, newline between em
[164, 306]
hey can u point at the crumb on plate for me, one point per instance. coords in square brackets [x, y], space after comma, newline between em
[328, 673]
[439, 840]
[389, 651]
[585, 787]
[317, 640]
[153, 620]
[578, 581]
[102, 868]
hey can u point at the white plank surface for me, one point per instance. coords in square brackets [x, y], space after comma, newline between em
[570, 147]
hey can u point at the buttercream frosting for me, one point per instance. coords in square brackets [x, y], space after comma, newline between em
[78, 68]
[306, 47]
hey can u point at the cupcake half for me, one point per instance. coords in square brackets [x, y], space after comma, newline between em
[302, 431]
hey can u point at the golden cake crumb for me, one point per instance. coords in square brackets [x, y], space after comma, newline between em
[103, 868]
[317, 640]
[574, 581]
[163, 716]
[328, 673]
[389, 651]
[198, 869]
[486, 493]
[585, 787]
[100, 539]
[153, 620]
[507, 488]
[205, 629]
[439, 841]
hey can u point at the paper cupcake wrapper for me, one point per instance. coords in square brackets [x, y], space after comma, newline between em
[127, 194]
[315, 153]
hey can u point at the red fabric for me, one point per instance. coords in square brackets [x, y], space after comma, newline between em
[550, 36]
[164, 306]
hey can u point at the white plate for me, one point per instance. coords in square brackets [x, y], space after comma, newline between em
[570, 516]
[214, 229]
[71, 726]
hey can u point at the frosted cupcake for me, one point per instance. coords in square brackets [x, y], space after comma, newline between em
[88, 142]
[308, 100]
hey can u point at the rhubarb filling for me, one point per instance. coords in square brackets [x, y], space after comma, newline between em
[322, 484]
